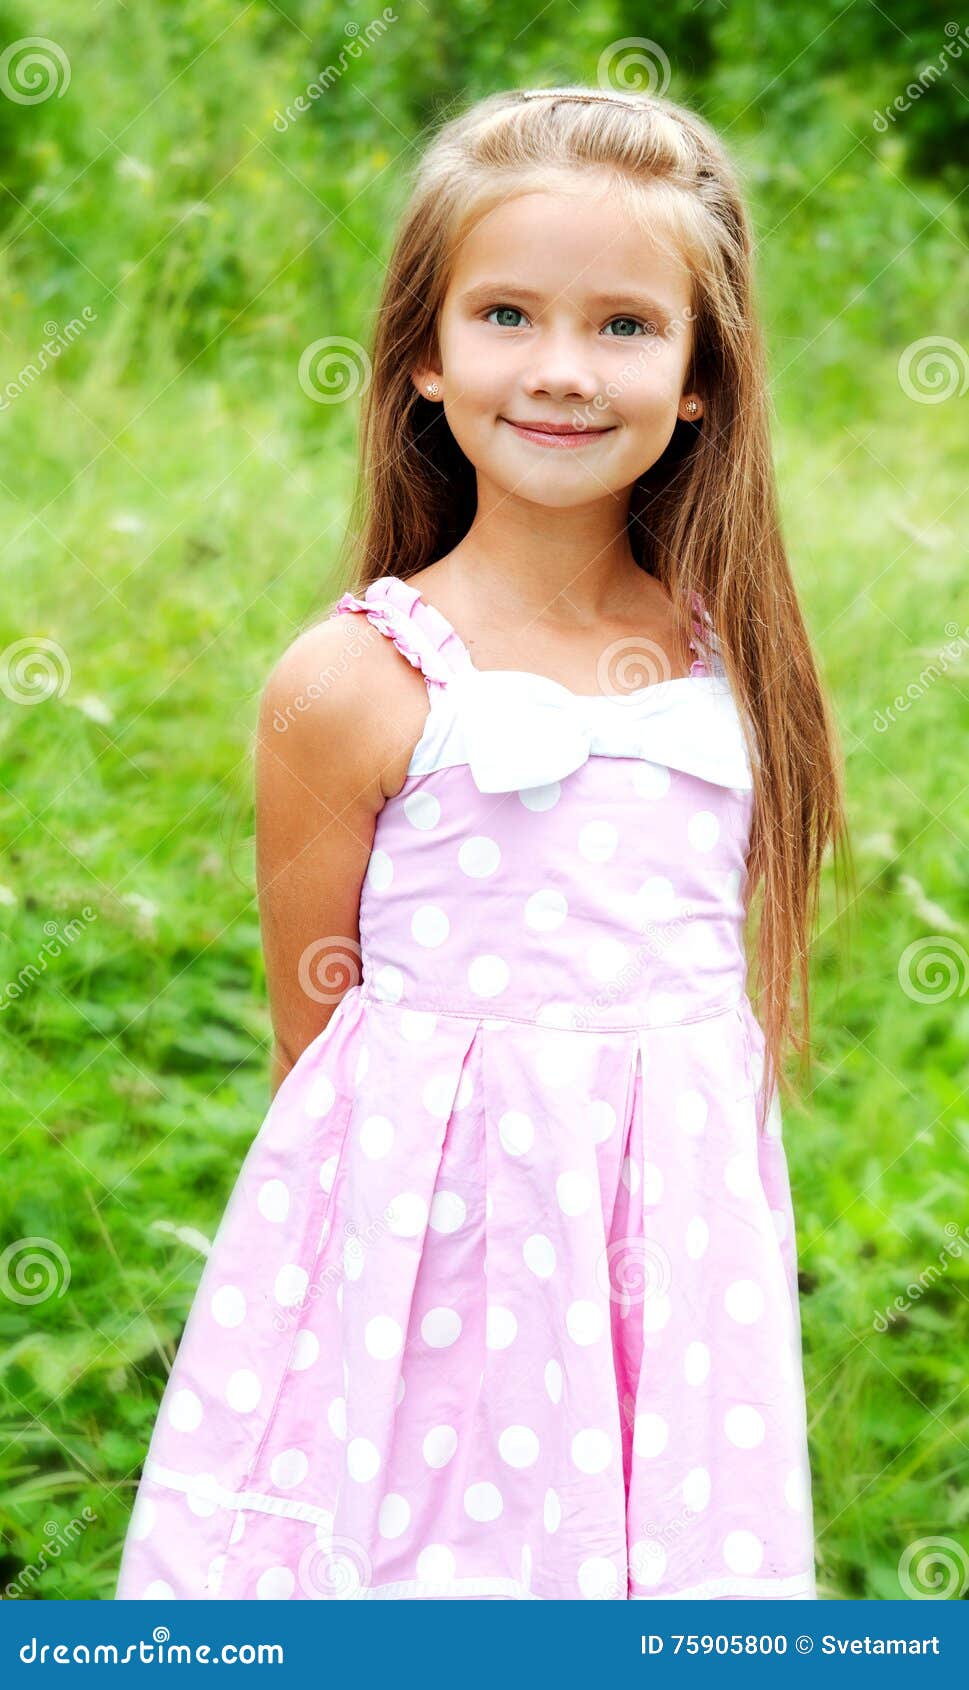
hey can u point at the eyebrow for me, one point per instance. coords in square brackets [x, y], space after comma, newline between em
[499, 289]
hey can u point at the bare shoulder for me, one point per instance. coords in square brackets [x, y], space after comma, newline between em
[342, 705]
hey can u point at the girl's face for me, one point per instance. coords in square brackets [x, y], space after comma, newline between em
[561, 311]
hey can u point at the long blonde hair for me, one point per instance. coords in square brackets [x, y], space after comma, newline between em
[703, 518]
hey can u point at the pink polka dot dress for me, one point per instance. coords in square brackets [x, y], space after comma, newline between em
[504, 1301]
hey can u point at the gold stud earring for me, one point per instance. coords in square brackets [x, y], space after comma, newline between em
[692, 407]
[432, 390]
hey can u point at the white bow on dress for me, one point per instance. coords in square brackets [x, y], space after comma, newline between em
[522, 730]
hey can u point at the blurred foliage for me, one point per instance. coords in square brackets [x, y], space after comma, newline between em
[173, 507]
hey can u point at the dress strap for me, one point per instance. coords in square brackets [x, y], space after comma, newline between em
[420, 632]
[704, 639]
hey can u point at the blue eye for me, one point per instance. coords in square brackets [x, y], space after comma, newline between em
[512, 308]
[635, 321]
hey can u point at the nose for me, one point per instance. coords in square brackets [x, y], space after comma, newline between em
[559, 370]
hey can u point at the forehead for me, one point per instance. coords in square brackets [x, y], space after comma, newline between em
[587, 234]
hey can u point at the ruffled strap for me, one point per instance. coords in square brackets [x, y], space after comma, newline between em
[420, 632]
[704, 636]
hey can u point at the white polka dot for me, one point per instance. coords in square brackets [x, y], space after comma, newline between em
[796, 1490]
[691, 1112]
[363, 1459]
[647, 1561]
[652, 1184]
[289, 1468]
[741, 1175]
[429, 926]
[516, 1132]
[650, 1434]
[229, 1306]
[696, 1362]
[243, 1390]
[422, 810]
[697, 1238]
[573, 1191]
[479, 856]
[238, 1527]
[465, 1090]
[394, 1515]
[546, 910]
[157, 1589]
[502, 1327]
[703, 830]
[539, 1254]
[656, 901]
[440, 1327]
[336, 1416]
[744, 1301]
[696, 1489]
[553, 1381]
[290, 1286]
[596, 1577]
[439, 1445]
[305, 1350]
[417, 1025]
[630, 1175]
[438, 1096]
[744, 1426]
[143, 1517]
[380, 871]
[651, 780]
[435, 1564]
[552, 1511]
[320, 1097]
[185, 1411]
[598, 841]
[383, 1337]
[743, 1552]
[406, 1216]
[388, 984]
[591, 1450]
[448, 1211]
[606, 958]
[584, 1321]
[518, 1446]
[541, 797]
[488, 976]
[483, 1501]
[376, 1137]
[275, 1584]
[328, 1172]
[273, 1200]
[214, 1578]
[602, 1120]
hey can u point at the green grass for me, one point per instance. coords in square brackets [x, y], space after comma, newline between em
[173, 508]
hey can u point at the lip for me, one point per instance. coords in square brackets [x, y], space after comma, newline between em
[557, 434]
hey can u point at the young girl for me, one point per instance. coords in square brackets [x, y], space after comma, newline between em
[504, 1303]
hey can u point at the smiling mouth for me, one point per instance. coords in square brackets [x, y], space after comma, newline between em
[556, 434]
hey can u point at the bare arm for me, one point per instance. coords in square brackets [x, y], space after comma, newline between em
[325, 764]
